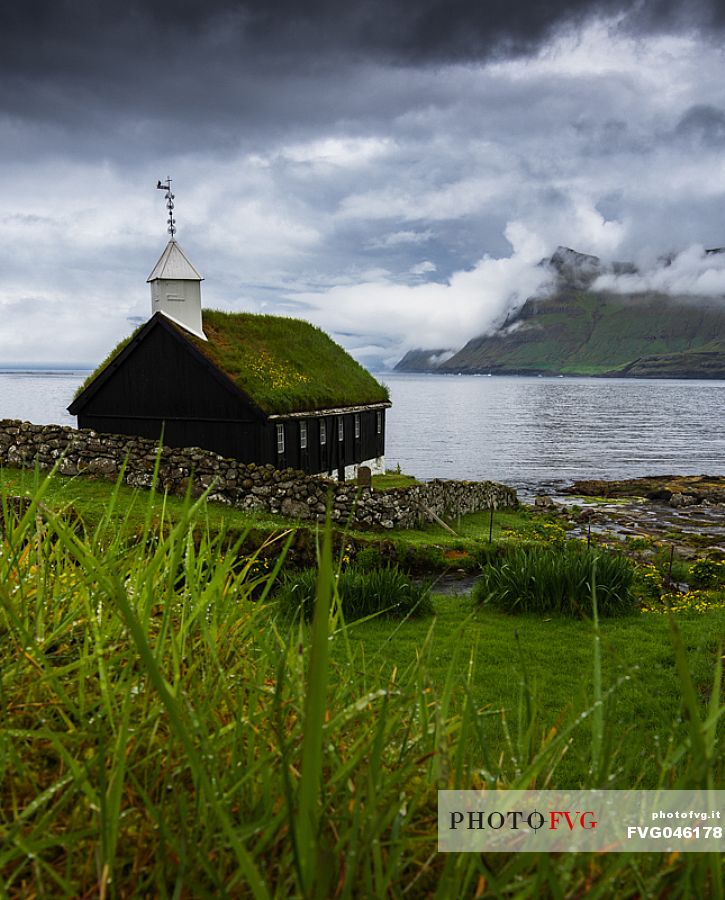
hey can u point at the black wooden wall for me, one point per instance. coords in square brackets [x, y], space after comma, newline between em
[163, 384]
[333, 454]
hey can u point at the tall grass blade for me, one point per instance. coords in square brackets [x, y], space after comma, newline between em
[598, 710]
[692, 709]
[308, 800]
[116, 591]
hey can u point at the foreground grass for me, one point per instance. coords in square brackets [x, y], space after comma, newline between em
[164, 734]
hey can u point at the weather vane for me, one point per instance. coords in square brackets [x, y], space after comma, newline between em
[166, 186]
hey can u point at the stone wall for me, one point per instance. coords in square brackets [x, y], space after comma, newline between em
[244, 485]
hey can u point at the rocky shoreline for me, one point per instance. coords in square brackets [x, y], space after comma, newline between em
[686, 512]
[676, 490]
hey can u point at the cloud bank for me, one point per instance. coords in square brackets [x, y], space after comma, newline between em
[436, 314]
[694, 271]
[394, 173]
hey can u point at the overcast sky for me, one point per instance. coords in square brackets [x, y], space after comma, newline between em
[392, 171]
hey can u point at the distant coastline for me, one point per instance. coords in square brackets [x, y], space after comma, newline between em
[62, 369]
[534, 376]
[43, 368]
[66, 370]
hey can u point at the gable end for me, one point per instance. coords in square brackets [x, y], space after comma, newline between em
[159, 321]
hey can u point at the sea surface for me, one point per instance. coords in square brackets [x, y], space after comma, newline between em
[39, 396]
[532, 433]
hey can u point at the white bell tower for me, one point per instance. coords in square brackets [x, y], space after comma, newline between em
[175, 283]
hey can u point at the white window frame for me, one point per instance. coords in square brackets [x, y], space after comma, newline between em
[379, 421]
[280, 440]
[303, 435]
[323, 431]
[340, 429]
[357, 426]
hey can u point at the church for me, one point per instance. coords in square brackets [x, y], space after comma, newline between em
[256, 388]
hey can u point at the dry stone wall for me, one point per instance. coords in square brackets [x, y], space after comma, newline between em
[245, 485]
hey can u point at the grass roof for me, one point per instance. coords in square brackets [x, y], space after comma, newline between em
[283, 364]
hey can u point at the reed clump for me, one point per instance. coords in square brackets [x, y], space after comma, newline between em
[554, 580]
[387, 591]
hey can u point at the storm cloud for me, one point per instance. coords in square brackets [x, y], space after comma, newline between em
[391, 171]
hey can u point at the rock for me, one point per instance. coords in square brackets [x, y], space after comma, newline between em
[68, 467]
[678, 500]
[543, 500]
[102, 466]
[295, 509]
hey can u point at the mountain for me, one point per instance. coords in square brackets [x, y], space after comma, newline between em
[578, 331]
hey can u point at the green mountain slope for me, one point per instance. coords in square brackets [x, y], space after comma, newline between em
[580, 332]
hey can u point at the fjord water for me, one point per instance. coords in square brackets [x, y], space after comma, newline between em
[543, 432]
[533, 433]
[39, 396]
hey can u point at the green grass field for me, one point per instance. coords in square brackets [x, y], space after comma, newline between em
[392, 480]
[638, 668]
[164, 732]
